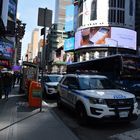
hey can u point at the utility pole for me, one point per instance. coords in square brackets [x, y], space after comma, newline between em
[45, 20]
[43, 61]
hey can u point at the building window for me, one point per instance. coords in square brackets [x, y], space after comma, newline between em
[120, 16]
[112, 3]
[80, 14]
[116, 14]
[117, 3]
[131, 7]
[93, 15]
[112, 15]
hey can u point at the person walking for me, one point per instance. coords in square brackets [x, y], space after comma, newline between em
[7, 82]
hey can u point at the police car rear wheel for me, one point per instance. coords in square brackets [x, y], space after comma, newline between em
[81, 115]
[59, 103]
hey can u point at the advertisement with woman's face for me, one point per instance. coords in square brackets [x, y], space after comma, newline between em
[105, 37]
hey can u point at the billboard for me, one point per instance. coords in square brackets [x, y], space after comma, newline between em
[75, 17]
[69, 20]
[12, 10]
[69, 44]
[105, 37]
[6, 49]
[69, 57]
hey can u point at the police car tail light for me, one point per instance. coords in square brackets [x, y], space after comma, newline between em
[96, 101]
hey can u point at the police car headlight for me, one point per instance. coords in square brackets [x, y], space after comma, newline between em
[97, 101]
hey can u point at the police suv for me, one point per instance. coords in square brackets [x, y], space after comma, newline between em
[96, 97]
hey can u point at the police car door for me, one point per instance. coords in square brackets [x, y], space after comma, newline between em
[72, 94]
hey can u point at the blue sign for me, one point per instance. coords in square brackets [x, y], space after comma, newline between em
[6, 49]
[69, 44]
[69, 20]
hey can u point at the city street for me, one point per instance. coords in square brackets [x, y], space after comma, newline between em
[101, 131]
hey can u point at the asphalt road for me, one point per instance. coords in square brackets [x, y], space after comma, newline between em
[99, 131]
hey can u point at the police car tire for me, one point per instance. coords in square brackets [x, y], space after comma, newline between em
[59, 103]
[81, 115]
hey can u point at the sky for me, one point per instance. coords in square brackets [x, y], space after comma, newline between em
[27, 12]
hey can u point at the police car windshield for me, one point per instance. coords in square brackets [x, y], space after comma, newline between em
[53, 78]
[87, 83]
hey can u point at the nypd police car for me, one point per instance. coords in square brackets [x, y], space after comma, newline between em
[50, 84]
[97, 98]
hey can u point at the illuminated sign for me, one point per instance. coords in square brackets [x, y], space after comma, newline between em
[69, 20]
[69, 44]
[6, 49]
[105, 37]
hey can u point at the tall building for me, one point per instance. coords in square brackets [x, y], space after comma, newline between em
[29, 53]
[8, 9]
[34, 42]
[60, 7]
[56, 36]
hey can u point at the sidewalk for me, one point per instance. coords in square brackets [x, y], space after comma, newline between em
[20, 122]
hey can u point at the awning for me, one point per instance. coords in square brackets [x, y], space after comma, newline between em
[59, 63]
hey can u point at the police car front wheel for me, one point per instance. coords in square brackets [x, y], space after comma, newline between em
[81, 115]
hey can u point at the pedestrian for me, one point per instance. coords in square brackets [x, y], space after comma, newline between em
[14, 79]
[7, 83]
[18, 78]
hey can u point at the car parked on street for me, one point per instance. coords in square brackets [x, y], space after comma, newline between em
[97, 98]
[50, 82]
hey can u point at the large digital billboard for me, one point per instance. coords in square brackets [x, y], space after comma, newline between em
[105, 37]
[69, 20]
[69, 44]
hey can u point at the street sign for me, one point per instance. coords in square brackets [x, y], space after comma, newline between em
[44, 17]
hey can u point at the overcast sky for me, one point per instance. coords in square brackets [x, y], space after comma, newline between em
[27, 12]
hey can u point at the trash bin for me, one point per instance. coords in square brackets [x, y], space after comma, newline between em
[35, 95]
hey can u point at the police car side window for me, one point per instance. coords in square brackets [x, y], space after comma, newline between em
[65, 82]
[73, 83]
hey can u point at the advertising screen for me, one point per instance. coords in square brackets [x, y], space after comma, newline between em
[69, 20]
[69, 57]
[12, 10]
[105, 37]
[6, 49]
[69, 44]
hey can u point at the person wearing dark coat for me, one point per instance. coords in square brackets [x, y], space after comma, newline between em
[7, 82]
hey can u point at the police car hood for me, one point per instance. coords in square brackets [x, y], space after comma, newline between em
[106, 94]
[51, 83]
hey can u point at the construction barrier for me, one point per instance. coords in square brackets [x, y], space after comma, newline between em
[35, 95]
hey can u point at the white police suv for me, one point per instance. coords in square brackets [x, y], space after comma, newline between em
[96, 97]
[50, 84]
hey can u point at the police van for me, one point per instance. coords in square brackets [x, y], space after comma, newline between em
[96, 97]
